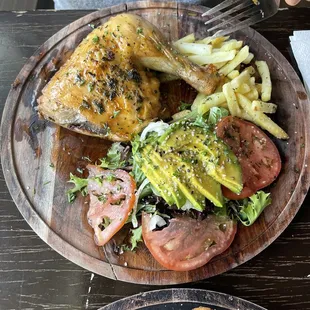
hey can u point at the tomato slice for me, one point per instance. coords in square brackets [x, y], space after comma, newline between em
[112, 197]
[258, 156]
[187, 244]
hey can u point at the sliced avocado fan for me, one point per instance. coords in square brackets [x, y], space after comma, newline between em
[217, 159]
[189, 163]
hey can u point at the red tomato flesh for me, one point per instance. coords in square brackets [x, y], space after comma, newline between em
[258, 156]
[112, 197]
[187, 244]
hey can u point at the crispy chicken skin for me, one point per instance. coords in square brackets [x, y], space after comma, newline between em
[105, 88]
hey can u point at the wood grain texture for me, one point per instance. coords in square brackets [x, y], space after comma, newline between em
[28, 149]
[33, 276]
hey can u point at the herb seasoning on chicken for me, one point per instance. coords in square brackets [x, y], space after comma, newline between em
[105, 88]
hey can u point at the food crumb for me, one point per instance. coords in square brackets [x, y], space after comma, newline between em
[125, 264]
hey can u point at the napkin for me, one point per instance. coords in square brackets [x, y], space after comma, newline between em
[300, 43]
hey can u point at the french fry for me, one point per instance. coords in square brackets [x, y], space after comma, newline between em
[252, 95]
[260, 119]
[250, 69]
[194, 48]
[259, 88]
[233, 74]
[245, 115]
[203, 103]
[224, 105]
[265, 107]
[200, 98]
[248, 59]
[243, 89]
[231, 45]
[264, 72]
[216, 42]
[252, 81]
[219, 65]
[235, 62]
[187, 39]
[213, 58]
[231, 99]
[180, 115]
[244, 77]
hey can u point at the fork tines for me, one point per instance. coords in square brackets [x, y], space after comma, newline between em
[238, 14]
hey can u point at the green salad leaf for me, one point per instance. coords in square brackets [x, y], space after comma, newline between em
[136, 237]
[215, 114]
[248, 210]
[114, 158]
[80, 185]
[184, 105]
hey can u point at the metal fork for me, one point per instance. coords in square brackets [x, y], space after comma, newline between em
[234, 15]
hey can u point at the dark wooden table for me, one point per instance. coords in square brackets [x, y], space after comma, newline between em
[33, 276]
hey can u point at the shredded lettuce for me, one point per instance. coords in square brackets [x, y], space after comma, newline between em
[248, 210]
[114, 158]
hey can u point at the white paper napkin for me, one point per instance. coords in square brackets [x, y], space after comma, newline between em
[300, 43]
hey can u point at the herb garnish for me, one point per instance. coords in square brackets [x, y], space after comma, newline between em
[139, 30]
[95, 39]
[115, 113]
[84, 105]
[91, 86]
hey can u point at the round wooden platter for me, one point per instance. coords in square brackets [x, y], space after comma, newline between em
[37, 157]
[181, 299]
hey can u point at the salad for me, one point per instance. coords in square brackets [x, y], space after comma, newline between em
[183, 184]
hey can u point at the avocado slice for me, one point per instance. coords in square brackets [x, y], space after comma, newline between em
[182, 177]
[152, 172]
[196, 182]
[160, 175]
[214, 155]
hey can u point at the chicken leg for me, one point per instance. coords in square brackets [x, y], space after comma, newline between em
[106, 89]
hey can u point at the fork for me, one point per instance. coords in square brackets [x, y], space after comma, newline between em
[234, 15]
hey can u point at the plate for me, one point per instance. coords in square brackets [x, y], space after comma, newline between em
[181, 299]
[37, 156]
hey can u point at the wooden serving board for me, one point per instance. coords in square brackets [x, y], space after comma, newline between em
[37, 156]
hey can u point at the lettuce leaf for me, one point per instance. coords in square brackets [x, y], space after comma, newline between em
[80, 185]
[136, 237]
[215, 114]
[248, 210]
[114, 158]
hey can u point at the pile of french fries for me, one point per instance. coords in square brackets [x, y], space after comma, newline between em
[239, 93]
